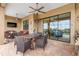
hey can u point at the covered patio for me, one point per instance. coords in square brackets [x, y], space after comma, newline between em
[16, 20]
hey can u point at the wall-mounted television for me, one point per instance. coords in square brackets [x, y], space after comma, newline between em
[11, 24]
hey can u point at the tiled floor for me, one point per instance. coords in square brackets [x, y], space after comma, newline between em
[53, 48]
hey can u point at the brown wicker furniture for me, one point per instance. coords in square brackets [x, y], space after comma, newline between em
[10, 34]
[41, 42]
[33, 41]
[22, 44]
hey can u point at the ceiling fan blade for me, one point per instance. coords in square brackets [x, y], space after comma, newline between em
[31, 11]
[41, 11]
[32, 8]
[41, 8]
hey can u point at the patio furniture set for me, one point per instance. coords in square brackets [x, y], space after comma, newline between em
[26, 41]
[30, 41]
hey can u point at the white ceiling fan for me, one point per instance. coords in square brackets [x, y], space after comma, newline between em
[37, 9]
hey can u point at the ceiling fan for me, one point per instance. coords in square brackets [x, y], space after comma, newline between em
[37, 10]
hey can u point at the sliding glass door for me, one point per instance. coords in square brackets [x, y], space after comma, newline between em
[64, 26]
[58, 27]
[60, 30]
[54, 27]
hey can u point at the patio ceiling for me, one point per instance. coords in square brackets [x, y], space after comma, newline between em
[23, 8]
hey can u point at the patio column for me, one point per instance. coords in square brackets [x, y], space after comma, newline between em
[2, 26]
[73, 23]
[31, 24]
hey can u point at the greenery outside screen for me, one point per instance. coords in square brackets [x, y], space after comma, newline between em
[25, 25]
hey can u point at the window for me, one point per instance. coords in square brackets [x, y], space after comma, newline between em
[25, 25]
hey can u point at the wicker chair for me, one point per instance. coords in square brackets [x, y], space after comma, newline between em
[41, 42]
[22, 44]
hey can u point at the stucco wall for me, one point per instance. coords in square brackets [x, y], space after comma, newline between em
[12, 19]
[77, 17]
[2, 26]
